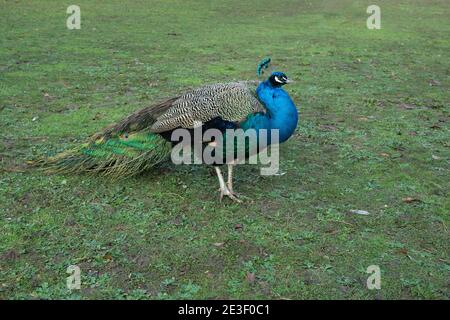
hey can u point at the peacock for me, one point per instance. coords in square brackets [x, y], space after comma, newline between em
[144, 139]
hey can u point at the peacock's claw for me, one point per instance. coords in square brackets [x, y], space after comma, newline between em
[229, 194]
[226, 189]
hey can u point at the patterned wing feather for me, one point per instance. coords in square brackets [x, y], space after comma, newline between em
[230, 101]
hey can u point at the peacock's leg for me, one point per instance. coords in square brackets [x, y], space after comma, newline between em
[224, 191]
[230, 178]
[230, 182]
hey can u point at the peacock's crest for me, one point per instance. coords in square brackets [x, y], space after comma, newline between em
[262, 66]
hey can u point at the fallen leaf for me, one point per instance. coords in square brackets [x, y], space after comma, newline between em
[361, 212]
[331, 231]
[384, 154]
[435, 126]
[407, 106]
[410, 200]
[435, 157]
[238, 226]
[434, 82]
[107, 257]
[250, 277]
[328, 127]
[218, 244]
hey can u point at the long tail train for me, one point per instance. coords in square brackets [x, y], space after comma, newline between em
[123, 149]
[118, 156]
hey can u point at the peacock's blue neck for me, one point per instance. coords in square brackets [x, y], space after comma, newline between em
[281, 111]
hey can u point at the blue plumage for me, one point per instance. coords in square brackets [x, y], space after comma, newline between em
[281, 111]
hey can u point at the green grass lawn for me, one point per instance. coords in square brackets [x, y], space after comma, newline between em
[373, 135]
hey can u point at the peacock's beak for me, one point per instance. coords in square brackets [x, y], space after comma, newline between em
[289, 81]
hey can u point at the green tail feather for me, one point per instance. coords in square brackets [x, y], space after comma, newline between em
[118, 156]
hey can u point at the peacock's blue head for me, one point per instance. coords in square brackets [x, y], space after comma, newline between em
[278, 79]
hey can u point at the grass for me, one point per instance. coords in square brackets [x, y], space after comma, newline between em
[373, 135]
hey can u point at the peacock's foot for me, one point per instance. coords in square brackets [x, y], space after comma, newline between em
[238, 195]
[226, 192]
